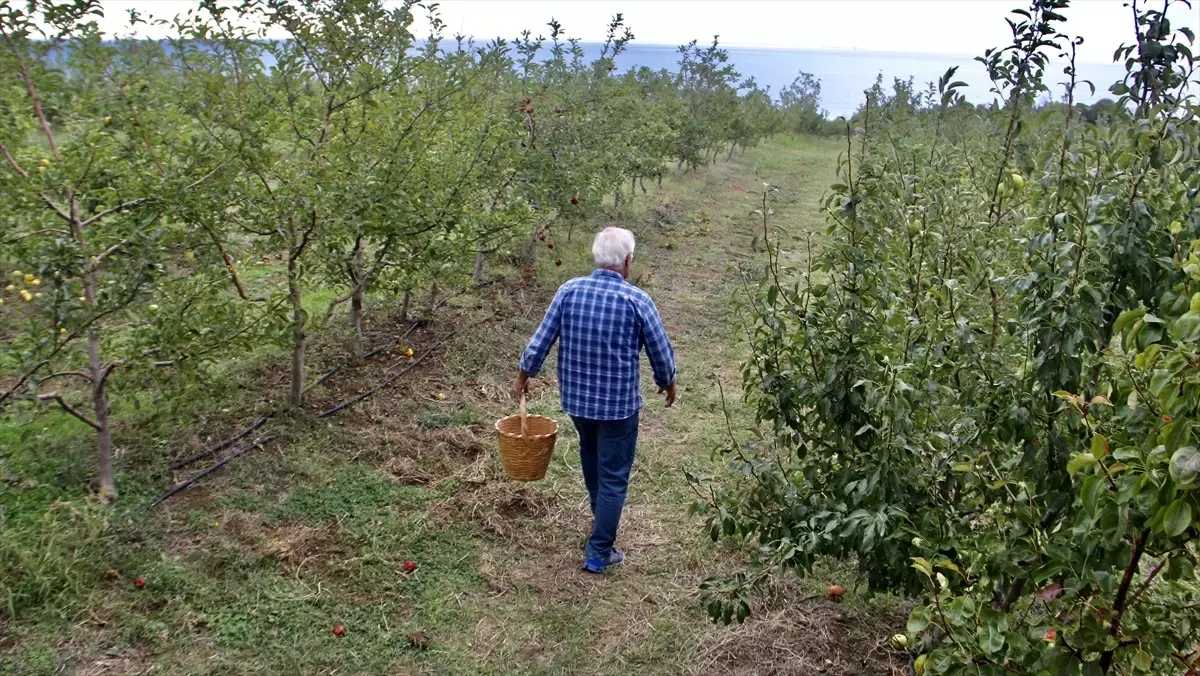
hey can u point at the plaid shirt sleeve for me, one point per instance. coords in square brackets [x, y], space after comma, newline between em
[658, 345]
[539, 346]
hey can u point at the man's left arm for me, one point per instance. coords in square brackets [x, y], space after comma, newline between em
[659, 350]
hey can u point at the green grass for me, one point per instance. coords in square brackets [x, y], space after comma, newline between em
[250, 571]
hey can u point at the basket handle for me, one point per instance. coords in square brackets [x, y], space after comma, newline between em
[524, 418]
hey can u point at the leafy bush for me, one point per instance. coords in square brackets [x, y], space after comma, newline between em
[984, 388]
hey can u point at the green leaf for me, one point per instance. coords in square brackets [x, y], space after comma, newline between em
[991, 639]
[1099, 446]
[1125, 318]
[918, 620]
[1142, 661]
[1080, 462]
[1090, 493]
[1186, 329]
[1159, 382]
[1180, 568]
[1177, 518]
[1185, 466]
[922, 565]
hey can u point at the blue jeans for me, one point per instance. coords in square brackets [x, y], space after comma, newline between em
[606, 453]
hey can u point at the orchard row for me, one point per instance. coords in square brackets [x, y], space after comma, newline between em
[168, 203]
[985, 389]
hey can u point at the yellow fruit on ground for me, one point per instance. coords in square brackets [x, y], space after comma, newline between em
[16, 274]
[62, 331]
[26, 296]
[36, 282]
[408, 352]
[45, 161]
[899, 641]
[29, 278]
[190, 255]
[10, 287]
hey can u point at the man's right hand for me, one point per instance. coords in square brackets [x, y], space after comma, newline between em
[670, 392]
[520, 385]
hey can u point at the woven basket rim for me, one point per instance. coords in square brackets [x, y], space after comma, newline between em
[547, 435]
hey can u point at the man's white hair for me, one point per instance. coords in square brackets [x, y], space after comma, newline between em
[612, 246]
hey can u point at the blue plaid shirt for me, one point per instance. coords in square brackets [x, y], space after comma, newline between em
[602, 323]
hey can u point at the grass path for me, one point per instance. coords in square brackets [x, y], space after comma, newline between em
[250, 572]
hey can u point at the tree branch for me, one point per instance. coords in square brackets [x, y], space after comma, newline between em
[13, 162]
[120, 207]
[1120, 604]
[33, 94]
[69, 409]
[64, 374]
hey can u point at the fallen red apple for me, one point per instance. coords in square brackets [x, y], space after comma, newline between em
[557, 263]
[575, 200]
[339, 630]
[550, 245]
[522, 282]
[836, 591]
[409, 566]
[139, 582]
[1051, 635]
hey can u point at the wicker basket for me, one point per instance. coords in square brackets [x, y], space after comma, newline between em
[526, 444]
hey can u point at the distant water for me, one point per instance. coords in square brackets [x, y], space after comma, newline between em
[844, 75]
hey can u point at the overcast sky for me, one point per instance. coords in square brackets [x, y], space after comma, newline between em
[964, 27]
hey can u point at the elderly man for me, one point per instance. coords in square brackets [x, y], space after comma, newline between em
[602, 323]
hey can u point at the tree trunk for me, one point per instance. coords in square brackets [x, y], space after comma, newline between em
[356, 301]
[678, 172]
[533, 240]
[433, 292]
[104, 469]
[477, 275]
[356, 321]
[660, 181]
[404, 305]
[642, 182]
[732, 147]
[296, 394]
